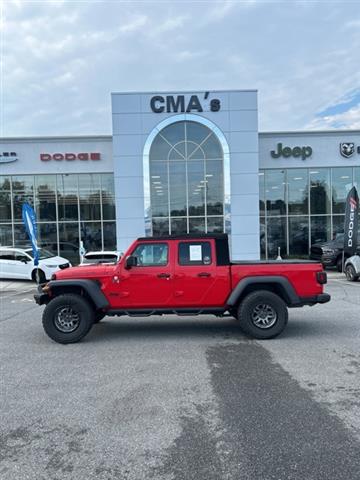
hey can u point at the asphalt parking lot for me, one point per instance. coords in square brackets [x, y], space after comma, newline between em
[181, 398]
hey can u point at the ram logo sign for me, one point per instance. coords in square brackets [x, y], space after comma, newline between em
[347, 149]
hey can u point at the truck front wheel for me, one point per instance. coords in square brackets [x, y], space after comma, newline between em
[68, 318]
[262, 314]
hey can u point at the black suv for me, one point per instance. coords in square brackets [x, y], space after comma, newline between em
[330, 253]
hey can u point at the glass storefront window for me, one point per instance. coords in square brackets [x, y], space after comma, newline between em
[109, 229]
[20, 235]
[276, 236]
[187, 158]
[319, 191]
[67, 188]
[177, 180]
[299, 236]
[320, 228]
[262, 193]
[215, 224]
[108, 196]
[89, 195]
[298, 195]
[196, 225]
[159, 189]
[341, 184]
[47, 237]
[23, 192]
[60, 194]
[5, 199]
[262, 237]
[160, 226]
[69, 241]
[178, 226]
[214, 195]
[275, 189]
[45, 197]
[6, 234]
[338, 224]
[90, 234]
[197, 187]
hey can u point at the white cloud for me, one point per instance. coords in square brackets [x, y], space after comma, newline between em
[302, 60]
[133, 25]
[349, 120]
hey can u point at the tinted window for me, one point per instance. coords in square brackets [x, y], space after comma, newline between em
[6, 255]
[195, 253]
[151, 254]
[20, 257]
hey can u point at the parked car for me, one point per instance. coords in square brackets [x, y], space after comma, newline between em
[100, 257]
[182, 275]
[18, 263]
[352, 268]
[330, 253]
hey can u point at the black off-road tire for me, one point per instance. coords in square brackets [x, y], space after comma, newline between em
[351, 273]
[41, 275]
[99, 316]
[52, 318]
[256, 304]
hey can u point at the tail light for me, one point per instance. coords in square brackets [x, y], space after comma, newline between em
[53, 276]
[321, 277]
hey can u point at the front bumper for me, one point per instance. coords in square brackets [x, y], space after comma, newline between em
[41, 298]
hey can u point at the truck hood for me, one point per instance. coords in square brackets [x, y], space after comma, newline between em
[86, 271]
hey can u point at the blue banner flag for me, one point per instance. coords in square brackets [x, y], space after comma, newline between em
[29, 219]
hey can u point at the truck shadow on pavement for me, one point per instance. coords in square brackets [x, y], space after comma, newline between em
[136, 329]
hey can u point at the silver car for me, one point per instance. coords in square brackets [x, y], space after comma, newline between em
[352, 268]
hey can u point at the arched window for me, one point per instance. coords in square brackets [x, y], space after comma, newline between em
[186, 167]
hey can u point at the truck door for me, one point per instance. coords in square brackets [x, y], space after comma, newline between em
[150, 283]
[198, 281]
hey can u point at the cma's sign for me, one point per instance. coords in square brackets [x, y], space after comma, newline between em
[347, 149]
[178, 104]
[7, 157]
[46, 157]
[296, 152]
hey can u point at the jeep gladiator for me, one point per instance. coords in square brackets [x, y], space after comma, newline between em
[183, 275]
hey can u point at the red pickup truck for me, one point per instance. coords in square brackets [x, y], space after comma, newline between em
[183, 275]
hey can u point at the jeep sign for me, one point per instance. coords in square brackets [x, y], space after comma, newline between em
[296, 152]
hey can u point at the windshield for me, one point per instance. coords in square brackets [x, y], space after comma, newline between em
[100, 258]
[43, 253]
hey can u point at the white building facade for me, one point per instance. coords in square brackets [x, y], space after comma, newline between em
[181, 162]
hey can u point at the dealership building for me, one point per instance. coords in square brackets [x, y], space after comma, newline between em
[181, 162]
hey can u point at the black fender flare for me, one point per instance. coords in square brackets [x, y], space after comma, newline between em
[91, 287]
[291, 297]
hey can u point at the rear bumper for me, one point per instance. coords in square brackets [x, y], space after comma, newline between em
[321, 298]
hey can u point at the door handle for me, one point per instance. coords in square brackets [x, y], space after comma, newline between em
[164, 275]
[204, 274]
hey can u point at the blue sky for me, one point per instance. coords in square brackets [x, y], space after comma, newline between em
[61, 59]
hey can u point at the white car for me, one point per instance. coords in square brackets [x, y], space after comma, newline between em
[100, 257]
[352, 268]
[18, 263]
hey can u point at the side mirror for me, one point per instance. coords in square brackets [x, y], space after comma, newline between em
[130, 262]
[24, 260]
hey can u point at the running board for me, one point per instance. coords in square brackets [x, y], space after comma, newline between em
[180, 312]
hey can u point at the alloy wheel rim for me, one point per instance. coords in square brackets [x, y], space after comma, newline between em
[66, 319]
[263, 316]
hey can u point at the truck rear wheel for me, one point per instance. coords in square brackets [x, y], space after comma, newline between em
[262, 314]
[68, 318]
